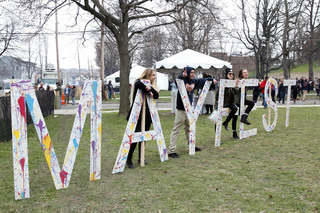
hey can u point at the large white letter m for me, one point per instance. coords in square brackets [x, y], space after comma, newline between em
[22, 92]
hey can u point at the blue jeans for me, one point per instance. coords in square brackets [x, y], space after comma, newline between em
[282, 96]
[264, 101]
[109, 94]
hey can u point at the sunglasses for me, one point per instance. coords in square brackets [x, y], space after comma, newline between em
[230, 73]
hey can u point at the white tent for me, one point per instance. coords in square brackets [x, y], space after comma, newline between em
[162, 81]
[199, 61]
[135, 72]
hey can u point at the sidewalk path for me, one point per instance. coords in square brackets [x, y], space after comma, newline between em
[110, 107]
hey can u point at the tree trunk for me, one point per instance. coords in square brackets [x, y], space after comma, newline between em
[257, 66]
[262, 66]
[285, 51]
[310, 60]
[311, 54]
[123, 45]
[285, 66]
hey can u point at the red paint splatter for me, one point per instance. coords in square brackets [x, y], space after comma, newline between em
[63, 176]
[22, 162]
[22, 106]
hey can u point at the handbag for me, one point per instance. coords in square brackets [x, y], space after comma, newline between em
[214, 117]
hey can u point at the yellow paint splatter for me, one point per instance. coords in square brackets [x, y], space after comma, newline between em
[93, 176]
[17, 134]
[147, 135]
[46, 143]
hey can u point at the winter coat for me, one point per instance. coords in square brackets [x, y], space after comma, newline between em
[198, 83]
[140, 85]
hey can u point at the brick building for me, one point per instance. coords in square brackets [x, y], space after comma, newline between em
[238, 61]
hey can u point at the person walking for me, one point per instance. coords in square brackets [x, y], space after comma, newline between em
[209, 101]
[153, 91]
[295, 91]
[73, 94]
[67, 92]
[317, 86]
[41, 88]
[181, 117]
[282, 92]
[262, 87]
[58, 89]
[304, 88]
[110, 89]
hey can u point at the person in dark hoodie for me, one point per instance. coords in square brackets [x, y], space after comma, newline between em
[181, 117]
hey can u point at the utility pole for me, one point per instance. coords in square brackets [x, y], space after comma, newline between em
[57, 45]
[40, 52]
[80, 84]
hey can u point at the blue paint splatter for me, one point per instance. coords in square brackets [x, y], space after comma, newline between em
[94, 88]
[76, 145]
[30, 102]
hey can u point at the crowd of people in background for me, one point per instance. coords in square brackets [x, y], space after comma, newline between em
[301, 89]
[193, 87]
[109, 91]
[69, 91]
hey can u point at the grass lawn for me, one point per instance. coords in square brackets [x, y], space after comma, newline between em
[270, 172]
[296, 72]
[302, 68]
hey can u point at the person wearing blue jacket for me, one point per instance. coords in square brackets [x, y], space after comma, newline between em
[181, 117]
[67, 93]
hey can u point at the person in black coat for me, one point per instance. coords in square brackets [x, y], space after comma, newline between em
[148, 74]
[229, 101]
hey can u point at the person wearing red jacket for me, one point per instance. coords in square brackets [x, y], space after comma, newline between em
[262, 86]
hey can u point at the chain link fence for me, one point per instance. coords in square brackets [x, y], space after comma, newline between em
[46, 102]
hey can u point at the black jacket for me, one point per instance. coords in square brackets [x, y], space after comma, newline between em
[140, 85]
[229, 97]
[198, 83]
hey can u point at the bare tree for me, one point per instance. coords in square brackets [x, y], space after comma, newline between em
[125, 19]
[30, 65]
[311, 12]
[196, 25]
[260, 33]
[111, 54]
[291, 15]
[154, 47]
[7, 34]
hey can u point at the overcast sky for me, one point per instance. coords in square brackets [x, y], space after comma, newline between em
[70, 41]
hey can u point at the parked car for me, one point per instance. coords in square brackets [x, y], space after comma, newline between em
[5, 87]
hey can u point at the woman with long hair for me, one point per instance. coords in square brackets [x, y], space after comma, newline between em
[153, 91]
[229, 102]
